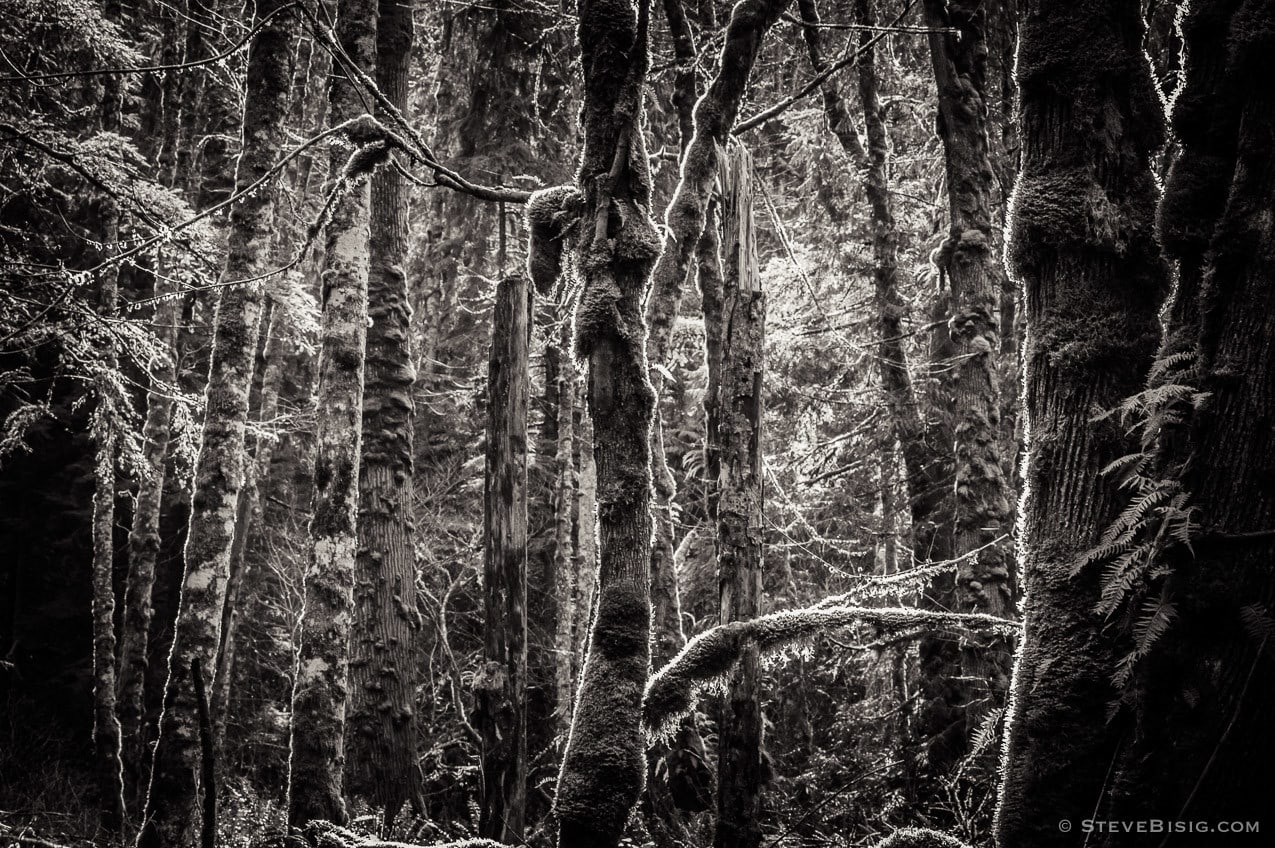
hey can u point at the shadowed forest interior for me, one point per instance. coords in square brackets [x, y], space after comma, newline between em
[588, 423]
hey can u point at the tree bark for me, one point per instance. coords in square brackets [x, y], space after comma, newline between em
[501, 686]
[739, 504]
[171, 819]
[1205, 690]
[968, 258]
[321, 689]
[144, 542]
[603, 768]
[384, 661]
[1082, 247]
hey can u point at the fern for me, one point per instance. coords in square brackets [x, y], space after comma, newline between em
[1136, 550]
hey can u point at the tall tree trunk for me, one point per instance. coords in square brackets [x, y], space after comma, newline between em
[144, 541]
[269, 378]
[1203, 696]
[317, 762]
[564, 565]
[502, 686]
[604, 766]
[925, 449]
[171, 819]
[1083, 248]
[384, 660]
[739, 504]
[968, 258]
[106, 726]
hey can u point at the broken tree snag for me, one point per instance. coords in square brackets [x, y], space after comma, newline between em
[172, 815]
[316, 766]
[384, 651]
[616, 246]
[1081, 244]
[501, 685]
[739, 503]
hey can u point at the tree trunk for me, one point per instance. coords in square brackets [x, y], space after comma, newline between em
[1083, 248]
[321, 689]
[1202, 698]
[968, 258]
[603, 768]
[564, 566]
[501, 687]
[171, 819]
[144, 542]
[739, 505]
[384, 660]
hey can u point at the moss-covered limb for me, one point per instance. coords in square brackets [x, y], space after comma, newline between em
[172, 819]
[384, 652]
[321, 688]
[501, 687]
[714, 115]
[738, 513]
[834, 106]
[1082, 245]
[710, 656]
[1207, 688]
[603, 768]
[144, 540]
[914, 837]
[552, 215]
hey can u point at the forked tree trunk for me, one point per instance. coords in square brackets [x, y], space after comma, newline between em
[501, 687]
[1083, 248]
[603, 768]
[385, 654]
[172, 820]
[739, 504]
[316, 764]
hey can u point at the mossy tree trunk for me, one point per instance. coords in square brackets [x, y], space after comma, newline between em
[501, 686]
[321, 689]
[604, 766]
[144, 542]
[739, 504]
[968, 258]
[172, 819]
[1202, 747]
[565, 487]
[1082, 247]
[384, 654]
[923, 444]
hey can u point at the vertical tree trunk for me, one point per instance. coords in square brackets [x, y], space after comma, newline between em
[144, 541]
[968, 257]
[384, 661]
[317, 762]
[171, 819]
[1202, 745]
[565, 488]
[502, 685]
[926, 454]
[604, 766]
[106, 726]
[739, 505]
[1082, 246]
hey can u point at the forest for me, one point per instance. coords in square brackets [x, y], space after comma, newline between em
[598, 423]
